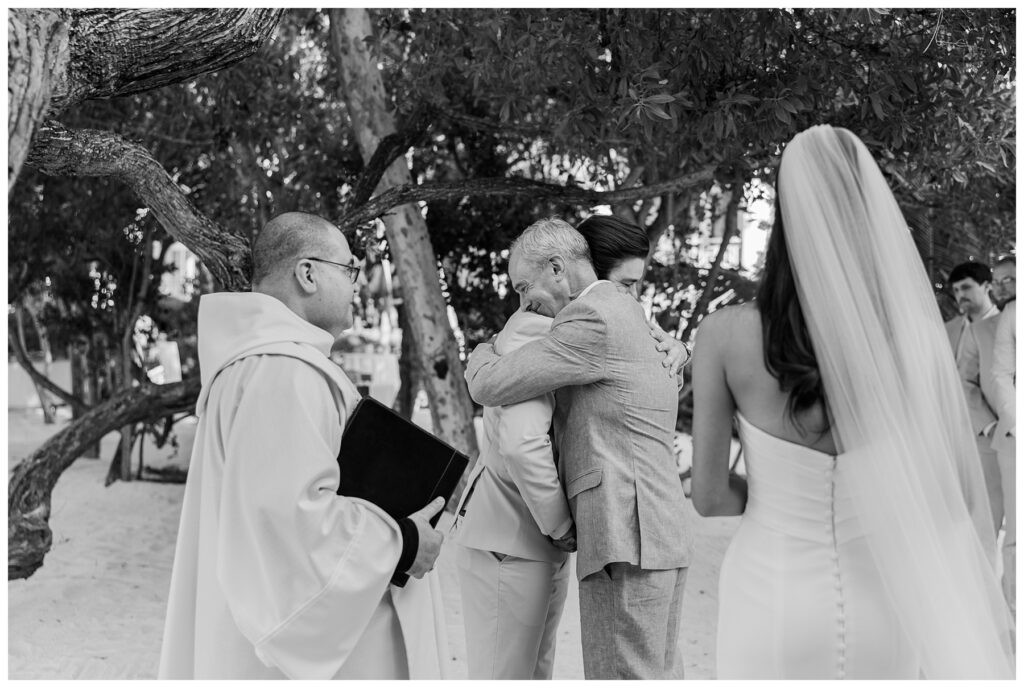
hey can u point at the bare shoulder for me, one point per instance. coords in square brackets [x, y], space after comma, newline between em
[741, 320]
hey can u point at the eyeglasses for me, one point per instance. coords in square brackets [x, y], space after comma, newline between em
[1006, 281]
[353, 270]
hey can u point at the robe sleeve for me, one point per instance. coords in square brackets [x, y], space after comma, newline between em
[302, 568]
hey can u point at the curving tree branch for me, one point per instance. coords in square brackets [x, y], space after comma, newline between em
[92, 153]
[31, 483]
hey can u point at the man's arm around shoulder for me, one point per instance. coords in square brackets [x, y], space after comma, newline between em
[573, 353]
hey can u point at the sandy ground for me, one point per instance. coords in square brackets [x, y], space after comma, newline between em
[95, 610]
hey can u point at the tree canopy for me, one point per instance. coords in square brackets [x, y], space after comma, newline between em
[673, 118]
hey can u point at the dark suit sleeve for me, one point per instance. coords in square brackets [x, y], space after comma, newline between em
[573, 353]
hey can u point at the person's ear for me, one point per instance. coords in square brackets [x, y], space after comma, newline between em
[304, 276]
[558, 267]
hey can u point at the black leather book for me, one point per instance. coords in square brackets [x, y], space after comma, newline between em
[394, 463]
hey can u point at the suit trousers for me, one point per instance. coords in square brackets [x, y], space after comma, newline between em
[1008, 473]
[511, 608]
[990, 468]
[630, 622]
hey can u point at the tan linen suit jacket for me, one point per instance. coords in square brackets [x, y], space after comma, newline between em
[974, 364]
[1004, 371]
[514, 499]
[615, 416]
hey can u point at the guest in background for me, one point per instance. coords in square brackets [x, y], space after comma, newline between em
[972, 335]
[1004, 441]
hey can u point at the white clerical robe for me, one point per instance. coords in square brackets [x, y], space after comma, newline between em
[275, 575]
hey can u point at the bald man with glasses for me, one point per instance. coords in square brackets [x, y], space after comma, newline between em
[276, 575]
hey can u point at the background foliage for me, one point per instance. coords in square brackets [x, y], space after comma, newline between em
[602, 98]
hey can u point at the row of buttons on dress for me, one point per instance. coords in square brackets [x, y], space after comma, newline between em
[830, 528]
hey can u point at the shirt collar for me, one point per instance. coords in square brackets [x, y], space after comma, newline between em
[589, 287]
[990, 313]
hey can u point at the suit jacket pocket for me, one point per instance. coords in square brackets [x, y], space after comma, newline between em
[584, 481]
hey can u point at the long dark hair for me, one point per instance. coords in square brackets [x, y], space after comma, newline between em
[612, 240]
[788, 351]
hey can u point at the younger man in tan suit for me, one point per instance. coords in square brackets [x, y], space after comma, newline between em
[516, 531]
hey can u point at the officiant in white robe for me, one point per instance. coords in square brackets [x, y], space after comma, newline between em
[275, 575]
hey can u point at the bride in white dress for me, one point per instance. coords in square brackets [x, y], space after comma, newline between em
[863, 550]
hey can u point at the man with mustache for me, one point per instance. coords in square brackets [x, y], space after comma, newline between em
[972, 335]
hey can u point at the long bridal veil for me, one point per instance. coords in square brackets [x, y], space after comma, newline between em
[898, 411]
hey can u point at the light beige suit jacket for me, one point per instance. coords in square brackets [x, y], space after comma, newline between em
[514, 499]
[974, 364]
[1004, 378]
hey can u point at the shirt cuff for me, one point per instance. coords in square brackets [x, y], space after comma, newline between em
[562, 530]
[410, 543]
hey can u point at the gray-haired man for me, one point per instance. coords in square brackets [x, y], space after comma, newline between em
[614, 418]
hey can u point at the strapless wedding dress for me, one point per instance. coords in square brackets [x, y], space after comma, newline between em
[799, 595]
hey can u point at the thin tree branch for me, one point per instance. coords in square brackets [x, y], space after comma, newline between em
[390, 148]
[513, 186]
[731, 226]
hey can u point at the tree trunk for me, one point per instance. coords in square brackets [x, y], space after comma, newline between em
[121, 461]
[409, 386]
[17, 346]
[701, 309]
[432, 338]
[44, 345]
[136, 298]
[37, 49]
[21, 354]
[44, 401]
[31, 483]
[78, 357]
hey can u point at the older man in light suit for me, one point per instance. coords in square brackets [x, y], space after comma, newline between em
[516, 530]
[972, 336]
[615, 417]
